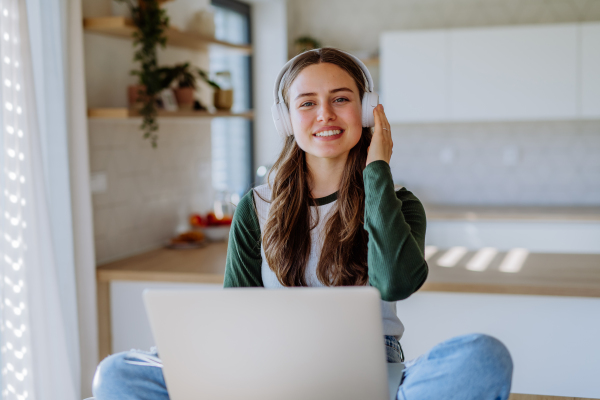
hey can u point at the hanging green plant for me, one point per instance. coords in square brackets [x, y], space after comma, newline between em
[151, 22]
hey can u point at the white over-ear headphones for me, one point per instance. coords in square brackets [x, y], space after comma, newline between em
[281, 114]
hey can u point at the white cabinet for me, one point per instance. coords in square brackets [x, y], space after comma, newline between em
[514, 73]
[130, 327]
[491, 74]
[590, 70]
[415, 76]
[553, 340]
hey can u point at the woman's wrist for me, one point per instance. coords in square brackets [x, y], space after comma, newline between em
[378, 164]
[376, 176]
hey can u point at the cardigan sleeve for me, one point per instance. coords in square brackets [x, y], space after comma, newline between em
[396, 225]
[244, 260]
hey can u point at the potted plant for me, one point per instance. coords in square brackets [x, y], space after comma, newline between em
[304, 43]
[222, 98]
[151, 22]
[185, 81]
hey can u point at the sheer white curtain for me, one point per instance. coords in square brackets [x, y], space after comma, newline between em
[38, 336]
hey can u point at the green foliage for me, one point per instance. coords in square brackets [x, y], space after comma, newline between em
[183, 75]
[304, 43]
[180, 73]
[151, 22]
[204, 76]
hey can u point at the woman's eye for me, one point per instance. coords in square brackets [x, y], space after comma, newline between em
[309, 103]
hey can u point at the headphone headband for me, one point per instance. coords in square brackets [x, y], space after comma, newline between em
[280, 112]
[277, 92]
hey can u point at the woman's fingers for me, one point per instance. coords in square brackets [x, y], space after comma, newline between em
[378, 121]
[381, 142]
[384, 121]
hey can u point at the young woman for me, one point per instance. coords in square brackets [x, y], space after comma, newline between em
[331, 217]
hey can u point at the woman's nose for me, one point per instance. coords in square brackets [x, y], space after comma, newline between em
[326, 112]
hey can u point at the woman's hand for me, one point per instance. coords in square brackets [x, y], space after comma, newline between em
[381, 143]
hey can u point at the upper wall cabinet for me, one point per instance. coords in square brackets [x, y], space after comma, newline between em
[537, 72]
[590, 70]
[515, 73]
[414, 76]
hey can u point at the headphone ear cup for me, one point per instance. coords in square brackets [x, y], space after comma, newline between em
[277, 118]
[370, 101]
[281, 118]
[285, 118]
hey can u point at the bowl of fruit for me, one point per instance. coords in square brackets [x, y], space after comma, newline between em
[214, 227]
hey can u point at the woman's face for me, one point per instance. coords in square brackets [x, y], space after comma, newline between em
[324, 100]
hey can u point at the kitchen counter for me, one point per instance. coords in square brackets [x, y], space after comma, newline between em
[533, 213]
[542, 274]
[202, 265]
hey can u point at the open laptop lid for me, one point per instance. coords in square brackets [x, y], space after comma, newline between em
[298, 343]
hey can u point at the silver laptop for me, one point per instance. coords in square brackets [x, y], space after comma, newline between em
[252, 343]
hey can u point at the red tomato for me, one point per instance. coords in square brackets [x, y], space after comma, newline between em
[211, 219]
[196, 220]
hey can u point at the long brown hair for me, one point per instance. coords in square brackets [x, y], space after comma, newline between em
[286, 239]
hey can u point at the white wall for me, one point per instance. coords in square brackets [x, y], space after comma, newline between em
[357, 24]
[150, 192]
[269, 36]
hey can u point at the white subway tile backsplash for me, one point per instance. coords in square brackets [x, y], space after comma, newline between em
[148, 189]
[556, 164]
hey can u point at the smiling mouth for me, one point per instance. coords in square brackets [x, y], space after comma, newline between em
[333, 132]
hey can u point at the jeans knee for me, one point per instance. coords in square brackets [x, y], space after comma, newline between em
[489, 354]
[478, 355]
[494, 349]
[108, 375]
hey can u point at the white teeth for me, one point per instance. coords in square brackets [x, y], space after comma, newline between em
[328, 133]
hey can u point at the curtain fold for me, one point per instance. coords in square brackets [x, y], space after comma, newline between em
[48, 52]
[38, 325]
[81, 199]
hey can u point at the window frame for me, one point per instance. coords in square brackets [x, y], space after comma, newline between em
[245, 10]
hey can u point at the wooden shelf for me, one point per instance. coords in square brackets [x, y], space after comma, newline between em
[123, 28]
[121, 113]
[374, 61]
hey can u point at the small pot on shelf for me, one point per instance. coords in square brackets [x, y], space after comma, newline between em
[135, 96]
[223, 91]
[223, 99]
[181, 77]
[185, 97]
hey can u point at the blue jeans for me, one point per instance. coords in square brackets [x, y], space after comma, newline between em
[473, 366]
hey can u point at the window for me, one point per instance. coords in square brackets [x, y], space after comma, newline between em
[232, 137]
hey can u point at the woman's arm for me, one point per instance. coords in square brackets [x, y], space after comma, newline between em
[396, 225]
[243, 250]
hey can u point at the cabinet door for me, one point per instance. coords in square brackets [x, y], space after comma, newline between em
[514, 73]
[414, 76]
[590, 70]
